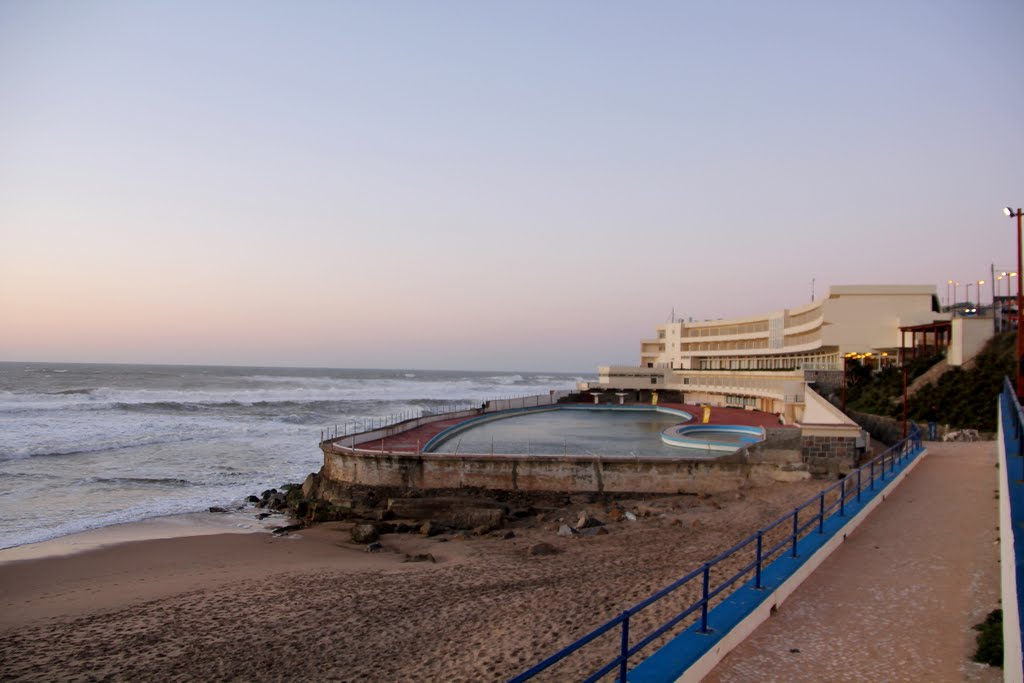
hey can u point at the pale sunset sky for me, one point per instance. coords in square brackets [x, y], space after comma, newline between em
[483, 185]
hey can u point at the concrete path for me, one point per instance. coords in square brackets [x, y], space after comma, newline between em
[896, 602]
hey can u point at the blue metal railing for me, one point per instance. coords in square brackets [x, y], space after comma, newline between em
[1011, 502]
[1015, 412]
[828, 502]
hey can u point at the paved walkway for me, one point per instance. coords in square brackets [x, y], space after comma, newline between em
[897, 600]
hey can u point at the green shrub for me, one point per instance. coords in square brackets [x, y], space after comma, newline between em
[990, 639]
[964, 399]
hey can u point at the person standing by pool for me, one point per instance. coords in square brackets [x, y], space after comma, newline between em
[933, 428]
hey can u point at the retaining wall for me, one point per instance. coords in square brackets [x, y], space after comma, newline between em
[606, 474]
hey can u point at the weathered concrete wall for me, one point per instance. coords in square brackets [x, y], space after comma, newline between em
[619, 474]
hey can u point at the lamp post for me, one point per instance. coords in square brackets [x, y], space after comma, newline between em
[904, 399]
[949, 294]
[968, 293]
[998, 315]
[1020, 340]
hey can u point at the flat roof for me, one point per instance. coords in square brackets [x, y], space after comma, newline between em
[846, 290]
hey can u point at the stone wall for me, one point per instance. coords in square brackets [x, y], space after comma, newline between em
[825, 381]
[830, 456]
[888, 430]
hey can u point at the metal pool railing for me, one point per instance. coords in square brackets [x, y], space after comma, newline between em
[767, 544]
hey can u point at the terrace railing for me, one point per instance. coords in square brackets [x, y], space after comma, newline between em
[365, 424]
[779, 538]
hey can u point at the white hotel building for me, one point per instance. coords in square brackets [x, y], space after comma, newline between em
[764, 362]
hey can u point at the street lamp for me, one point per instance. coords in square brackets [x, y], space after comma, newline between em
[1020, 340]
[949, 294]
[997, 311]
[968, 288]
[980, 283]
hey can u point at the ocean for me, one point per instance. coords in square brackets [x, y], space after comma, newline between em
[86, 446]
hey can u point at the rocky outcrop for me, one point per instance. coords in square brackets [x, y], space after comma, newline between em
[456, 512]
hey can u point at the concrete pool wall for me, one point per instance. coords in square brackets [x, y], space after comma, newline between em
[355, 461]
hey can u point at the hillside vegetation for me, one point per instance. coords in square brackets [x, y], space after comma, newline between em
[963, 398]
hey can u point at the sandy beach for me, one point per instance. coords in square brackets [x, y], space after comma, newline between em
[315, 606]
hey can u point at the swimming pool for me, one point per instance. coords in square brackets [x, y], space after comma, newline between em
[571, 430]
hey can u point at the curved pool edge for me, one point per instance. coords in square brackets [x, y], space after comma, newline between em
[675, 436]
[469, 423]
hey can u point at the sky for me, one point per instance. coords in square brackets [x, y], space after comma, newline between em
[468, 185]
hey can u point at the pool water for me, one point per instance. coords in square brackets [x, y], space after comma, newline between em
[571, 432]
[719, 435]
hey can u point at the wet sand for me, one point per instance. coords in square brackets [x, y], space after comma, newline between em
[315, 606]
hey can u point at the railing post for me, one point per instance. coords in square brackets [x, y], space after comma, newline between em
[859, 471]
[842, 497]
[796, 515]
[704, 604]
[624, 647]
[821, 513]
[871, 482]
[757, 575]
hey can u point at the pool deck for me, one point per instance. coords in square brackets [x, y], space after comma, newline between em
[412, 440]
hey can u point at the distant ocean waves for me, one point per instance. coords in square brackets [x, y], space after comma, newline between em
[104, 444]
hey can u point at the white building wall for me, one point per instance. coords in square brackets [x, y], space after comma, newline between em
[969, 336]
[864, 318]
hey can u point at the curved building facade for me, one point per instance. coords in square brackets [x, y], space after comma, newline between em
[763, 362]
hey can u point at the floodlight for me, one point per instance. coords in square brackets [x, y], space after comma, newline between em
[1008, 211]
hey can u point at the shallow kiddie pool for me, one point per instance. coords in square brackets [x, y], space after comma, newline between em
[720, 438]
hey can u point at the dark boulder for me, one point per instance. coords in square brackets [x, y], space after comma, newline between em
[540, 549]
[364, 533]
[431, 528]
[586, 521]
[422, 557]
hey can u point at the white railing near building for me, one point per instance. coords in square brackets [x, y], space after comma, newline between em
[517, 402]
[784, 386]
